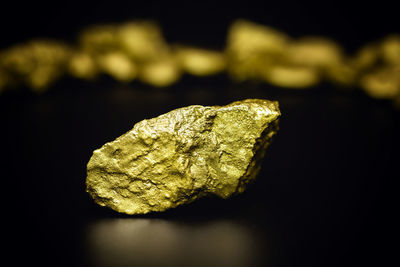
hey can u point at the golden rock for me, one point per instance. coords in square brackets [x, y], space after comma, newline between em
[246, 38]
[82, 65]
[142, 40]
[253, 47]
[383, 83]
[366, 57]
[344, 73]
[118, 65]
[37, 63]
[100, 39]
[314, 52]
[183, 155]
[200, 62]
[291, 76]
[391, 49]
[160, 73]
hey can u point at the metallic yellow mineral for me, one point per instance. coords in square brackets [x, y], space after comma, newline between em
[391, 49]
[200, 62]
[38, 63]
[182, 155]
[118, 65]
[251, 48]
[82, 65]
[160, 73]
[142, 40]
[366, 57]
[100, 39]
[315, 52]
[383, 83]
[291, 76]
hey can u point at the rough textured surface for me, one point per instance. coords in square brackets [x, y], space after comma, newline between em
[183, 155]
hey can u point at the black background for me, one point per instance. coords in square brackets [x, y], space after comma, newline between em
[351, 23]
[326, 194]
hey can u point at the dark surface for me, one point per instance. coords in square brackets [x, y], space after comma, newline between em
[324, 197]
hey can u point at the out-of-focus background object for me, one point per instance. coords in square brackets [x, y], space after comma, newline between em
[253, 52]
[37, 63]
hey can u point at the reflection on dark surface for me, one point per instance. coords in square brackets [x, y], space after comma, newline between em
[158, 242]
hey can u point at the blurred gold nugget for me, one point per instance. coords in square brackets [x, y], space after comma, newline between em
[252, 47]
[391, 50]
[314, 52]
[321, 54]
[160, 73]
[291, 76]
[383, 83]
[366, 57]
[118, 65]
[396, 102]
[123, 51]
[343, 73]
[82, 65]
[37, 63]
[200, 62]
[99, 39]
[143, 41]
[246, 38]
[253, 52]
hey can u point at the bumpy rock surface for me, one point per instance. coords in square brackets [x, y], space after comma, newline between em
[182, 155]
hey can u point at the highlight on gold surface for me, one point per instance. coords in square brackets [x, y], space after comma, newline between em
[137, 49]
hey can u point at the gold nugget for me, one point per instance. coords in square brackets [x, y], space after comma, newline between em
[38, 63]
[200, 62]
[143, 41]
[391, 50]
[314, 52]
[382, 83]
[82, 65]
[183, 155]
[291, 76]
[160, 73]
[118, 65]
[251, 48]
